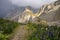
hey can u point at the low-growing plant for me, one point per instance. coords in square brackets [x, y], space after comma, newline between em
[7, 27]
[44, 32]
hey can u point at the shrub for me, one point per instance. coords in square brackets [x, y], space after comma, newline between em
[44, 32]
[7, 27]
[3, 37]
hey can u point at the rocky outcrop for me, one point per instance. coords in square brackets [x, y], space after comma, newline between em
[49, 12]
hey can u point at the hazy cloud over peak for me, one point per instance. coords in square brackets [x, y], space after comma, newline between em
[33, 3]
[8, 6]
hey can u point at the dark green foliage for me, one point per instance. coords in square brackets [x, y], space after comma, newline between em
[44, 32]
[6, 27]
[3, 37]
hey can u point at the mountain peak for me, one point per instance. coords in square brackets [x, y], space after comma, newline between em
[49, 12]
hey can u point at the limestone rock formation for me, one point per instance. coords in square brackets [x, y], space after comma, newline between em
[49, 12]
[52, 13]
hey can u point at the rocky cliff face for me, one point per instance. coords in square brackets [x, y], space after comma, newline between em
[51, 14]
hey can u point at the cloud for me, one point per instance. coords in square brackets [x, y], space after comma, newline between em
[33, 3]
[7, 5]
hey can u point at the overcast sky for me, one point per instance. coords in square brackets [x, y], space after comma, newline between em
[33, 3]
[7, 5]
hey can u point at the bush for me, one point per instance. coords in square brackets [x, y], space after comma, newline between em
[3, 37]
[7, 27]
[44, 32]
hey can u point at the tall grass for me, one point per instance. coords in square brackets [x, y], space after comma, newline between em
[6, 28]
[43, 32]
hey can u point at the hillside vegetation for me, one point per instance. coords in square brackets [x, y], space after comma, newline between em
[38, 31]
[6, 28]
[43, 32]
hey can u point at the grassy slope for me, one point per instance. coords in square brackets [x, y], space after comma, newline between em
[6, 28]
[43, 32]
[35, 31]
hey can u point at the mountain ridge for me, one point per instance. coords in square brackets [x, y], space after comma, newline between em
[49, 13]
